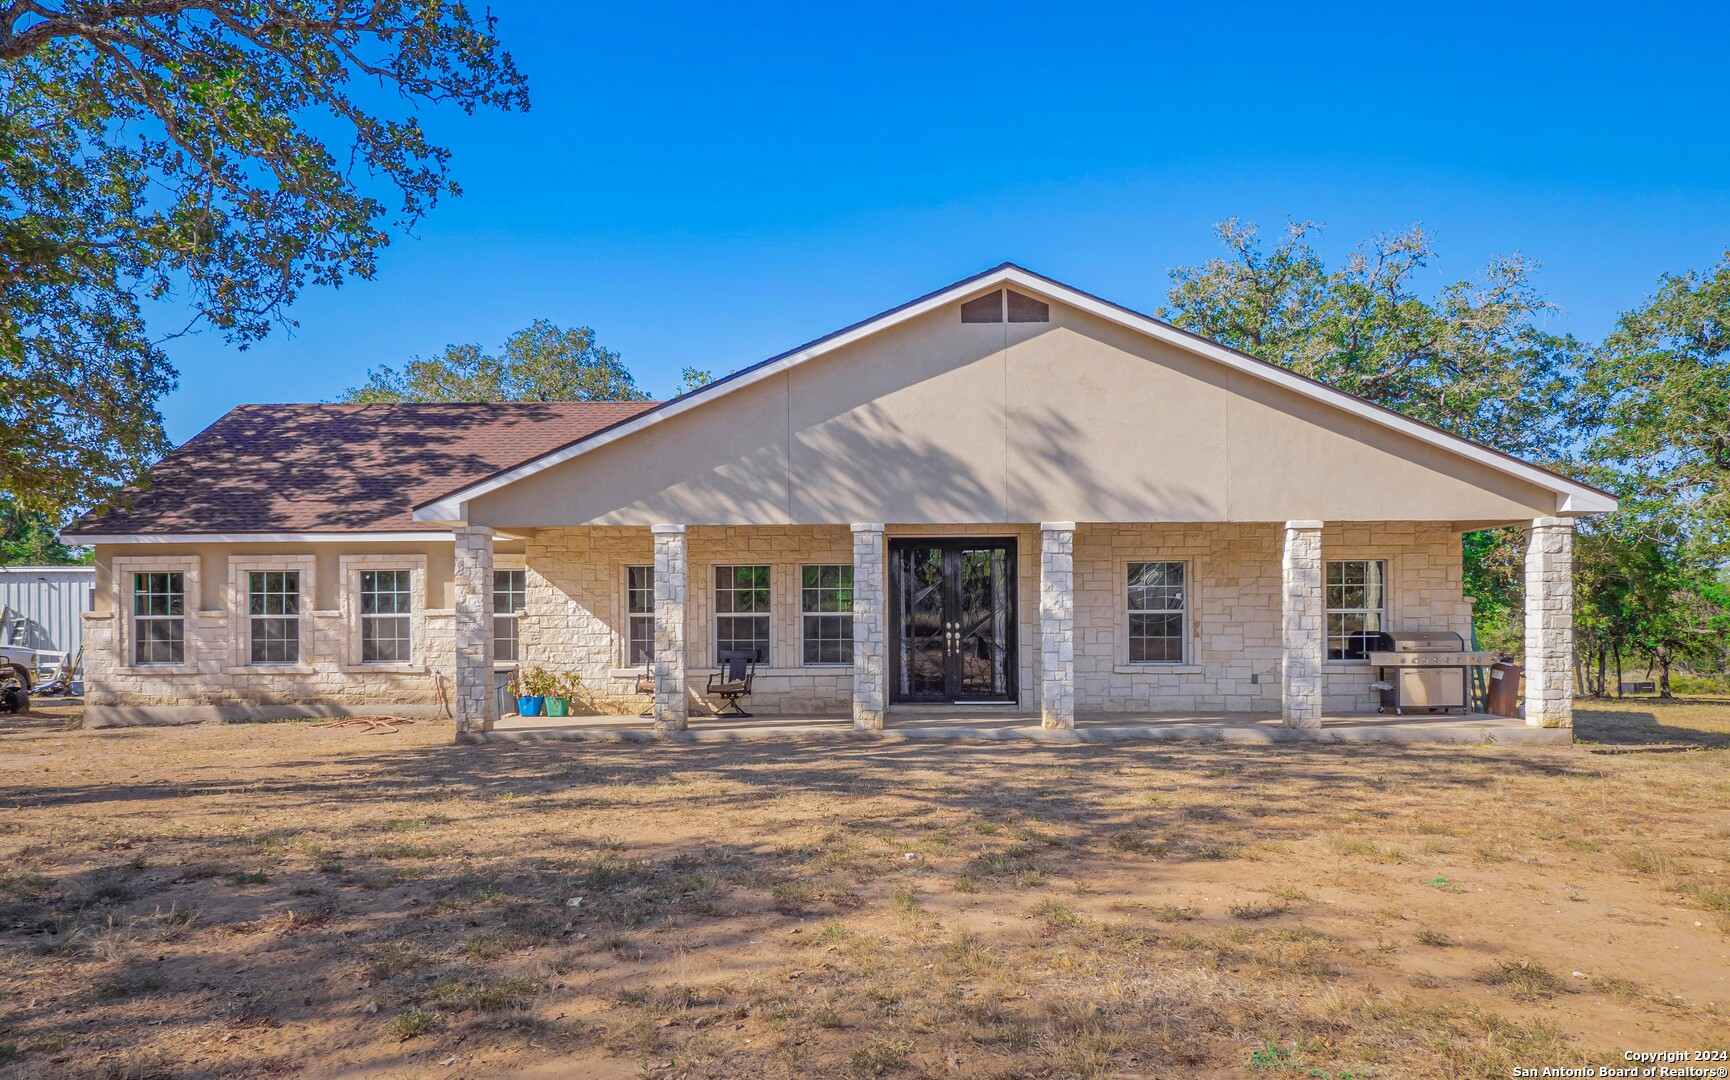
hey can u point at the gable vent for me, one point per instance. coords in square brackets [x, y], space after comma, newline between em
[990, 307]
[987, 308]
[1027, 309]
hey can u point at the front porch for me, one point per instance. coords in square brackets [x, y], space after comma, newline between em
[1000, 725]
[1070, 632]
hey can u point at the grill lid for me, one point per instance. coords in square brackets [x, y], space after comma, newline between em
[1410, 641]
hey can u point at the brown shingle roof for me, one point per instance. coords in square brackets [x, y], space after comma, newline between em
[341, 468]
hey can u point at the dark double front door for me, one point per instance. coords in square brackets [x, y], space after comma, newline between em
[952, 620]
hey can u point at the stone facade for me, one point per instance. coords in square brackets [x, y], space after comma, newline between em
[476, 702]
[1057, 624]
[216, 671]
[672, 571]
[1550, 622]
[1303, 642]
[575, 620]
[1234, 647]
[575, 616]
[870, 627]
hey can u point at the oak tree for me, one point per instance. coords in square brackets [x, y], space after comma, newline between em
[217, 155]
[542, 362]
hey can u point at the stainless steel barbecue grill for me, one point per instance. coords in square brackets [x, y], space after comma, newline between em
[1422, 669]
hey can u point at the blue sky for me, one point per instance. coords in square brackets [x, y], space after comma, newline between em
[708, 186]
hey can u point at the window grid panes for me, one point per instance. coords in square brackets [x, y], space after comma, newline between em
[385, 608]
[273, 610]
[1356, 597]
[508, 594]
[639, 615]
[826, 613]
[1157, 596]
[159, 618]
[742, 611]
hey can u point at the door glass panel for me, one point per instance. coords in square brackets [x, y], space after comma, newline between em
[920, 620]
[984, 614]
[953, 622]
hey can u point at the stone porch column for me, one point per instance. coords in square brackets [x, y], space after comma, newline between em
[1057, 624]
[1301, 632]
[1550, 622]
[671, 566]
[476, 703]
[870, 628]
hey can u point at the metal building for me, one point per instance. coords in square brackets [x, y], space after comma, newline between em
[43, 606]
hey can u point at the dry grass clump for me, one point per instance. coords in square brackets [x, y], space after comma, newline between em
[1523, 980]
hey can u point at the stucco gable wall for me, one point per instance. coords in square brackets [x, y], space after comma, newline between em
[935, 421]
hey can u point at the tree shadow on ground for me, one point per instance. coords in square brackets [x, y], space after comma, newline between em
[1654, 723]
[297, 889]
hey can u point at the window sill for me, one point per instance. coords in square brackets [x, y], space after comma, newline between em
[271, 669]
[704, 671]
[1348, 665]
[383, 669]
[157, 669]
[1152, 668]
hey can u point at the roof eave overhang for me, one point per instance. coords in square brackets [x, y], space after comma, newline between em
[1572, 497]
[416, 536]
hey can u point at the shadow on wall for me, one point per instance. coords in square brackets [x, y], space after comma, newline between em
[878, 462]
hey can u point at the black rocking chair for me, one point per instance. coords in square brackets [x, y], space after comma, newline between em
[733, 681]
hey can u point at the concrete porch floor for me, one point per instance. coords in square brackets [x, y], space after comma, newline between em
[966, 723]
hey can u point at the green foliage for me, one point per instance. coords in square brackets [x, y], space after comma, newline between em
[1472, 358]
[539, 682]
[1494, 564]
[694, 379]
[1657, 405]
[543, 362]
[409, 1025]
[1654, 413]
[166, 151]
[29, 538]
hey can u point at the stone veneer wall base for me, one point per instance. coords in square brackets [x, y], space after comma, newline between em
[107, 716]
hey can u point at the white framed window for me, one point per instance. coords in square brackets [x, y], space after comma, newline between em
[270, 609]
[826, 613]
[510, 589]
[639, 615]
[742, 600]
[1356, 595]
[154, 599]
[386, 610]
[273, 616]
[1156, 596]
[159, 618]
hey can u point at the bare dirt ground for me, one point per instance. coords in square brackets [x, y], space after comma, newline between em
[289, 900]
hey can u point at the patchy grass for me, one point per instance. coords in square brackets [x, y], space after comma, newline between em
[1523, 980]
[1266, 910]
[286, 899]
[409, 1025]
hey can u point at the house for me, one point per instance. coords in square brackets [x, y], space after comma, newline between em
[1006, 492]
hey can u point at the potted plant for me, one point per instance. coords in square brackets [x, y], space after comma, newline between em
[561, 688]
[530, 688]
